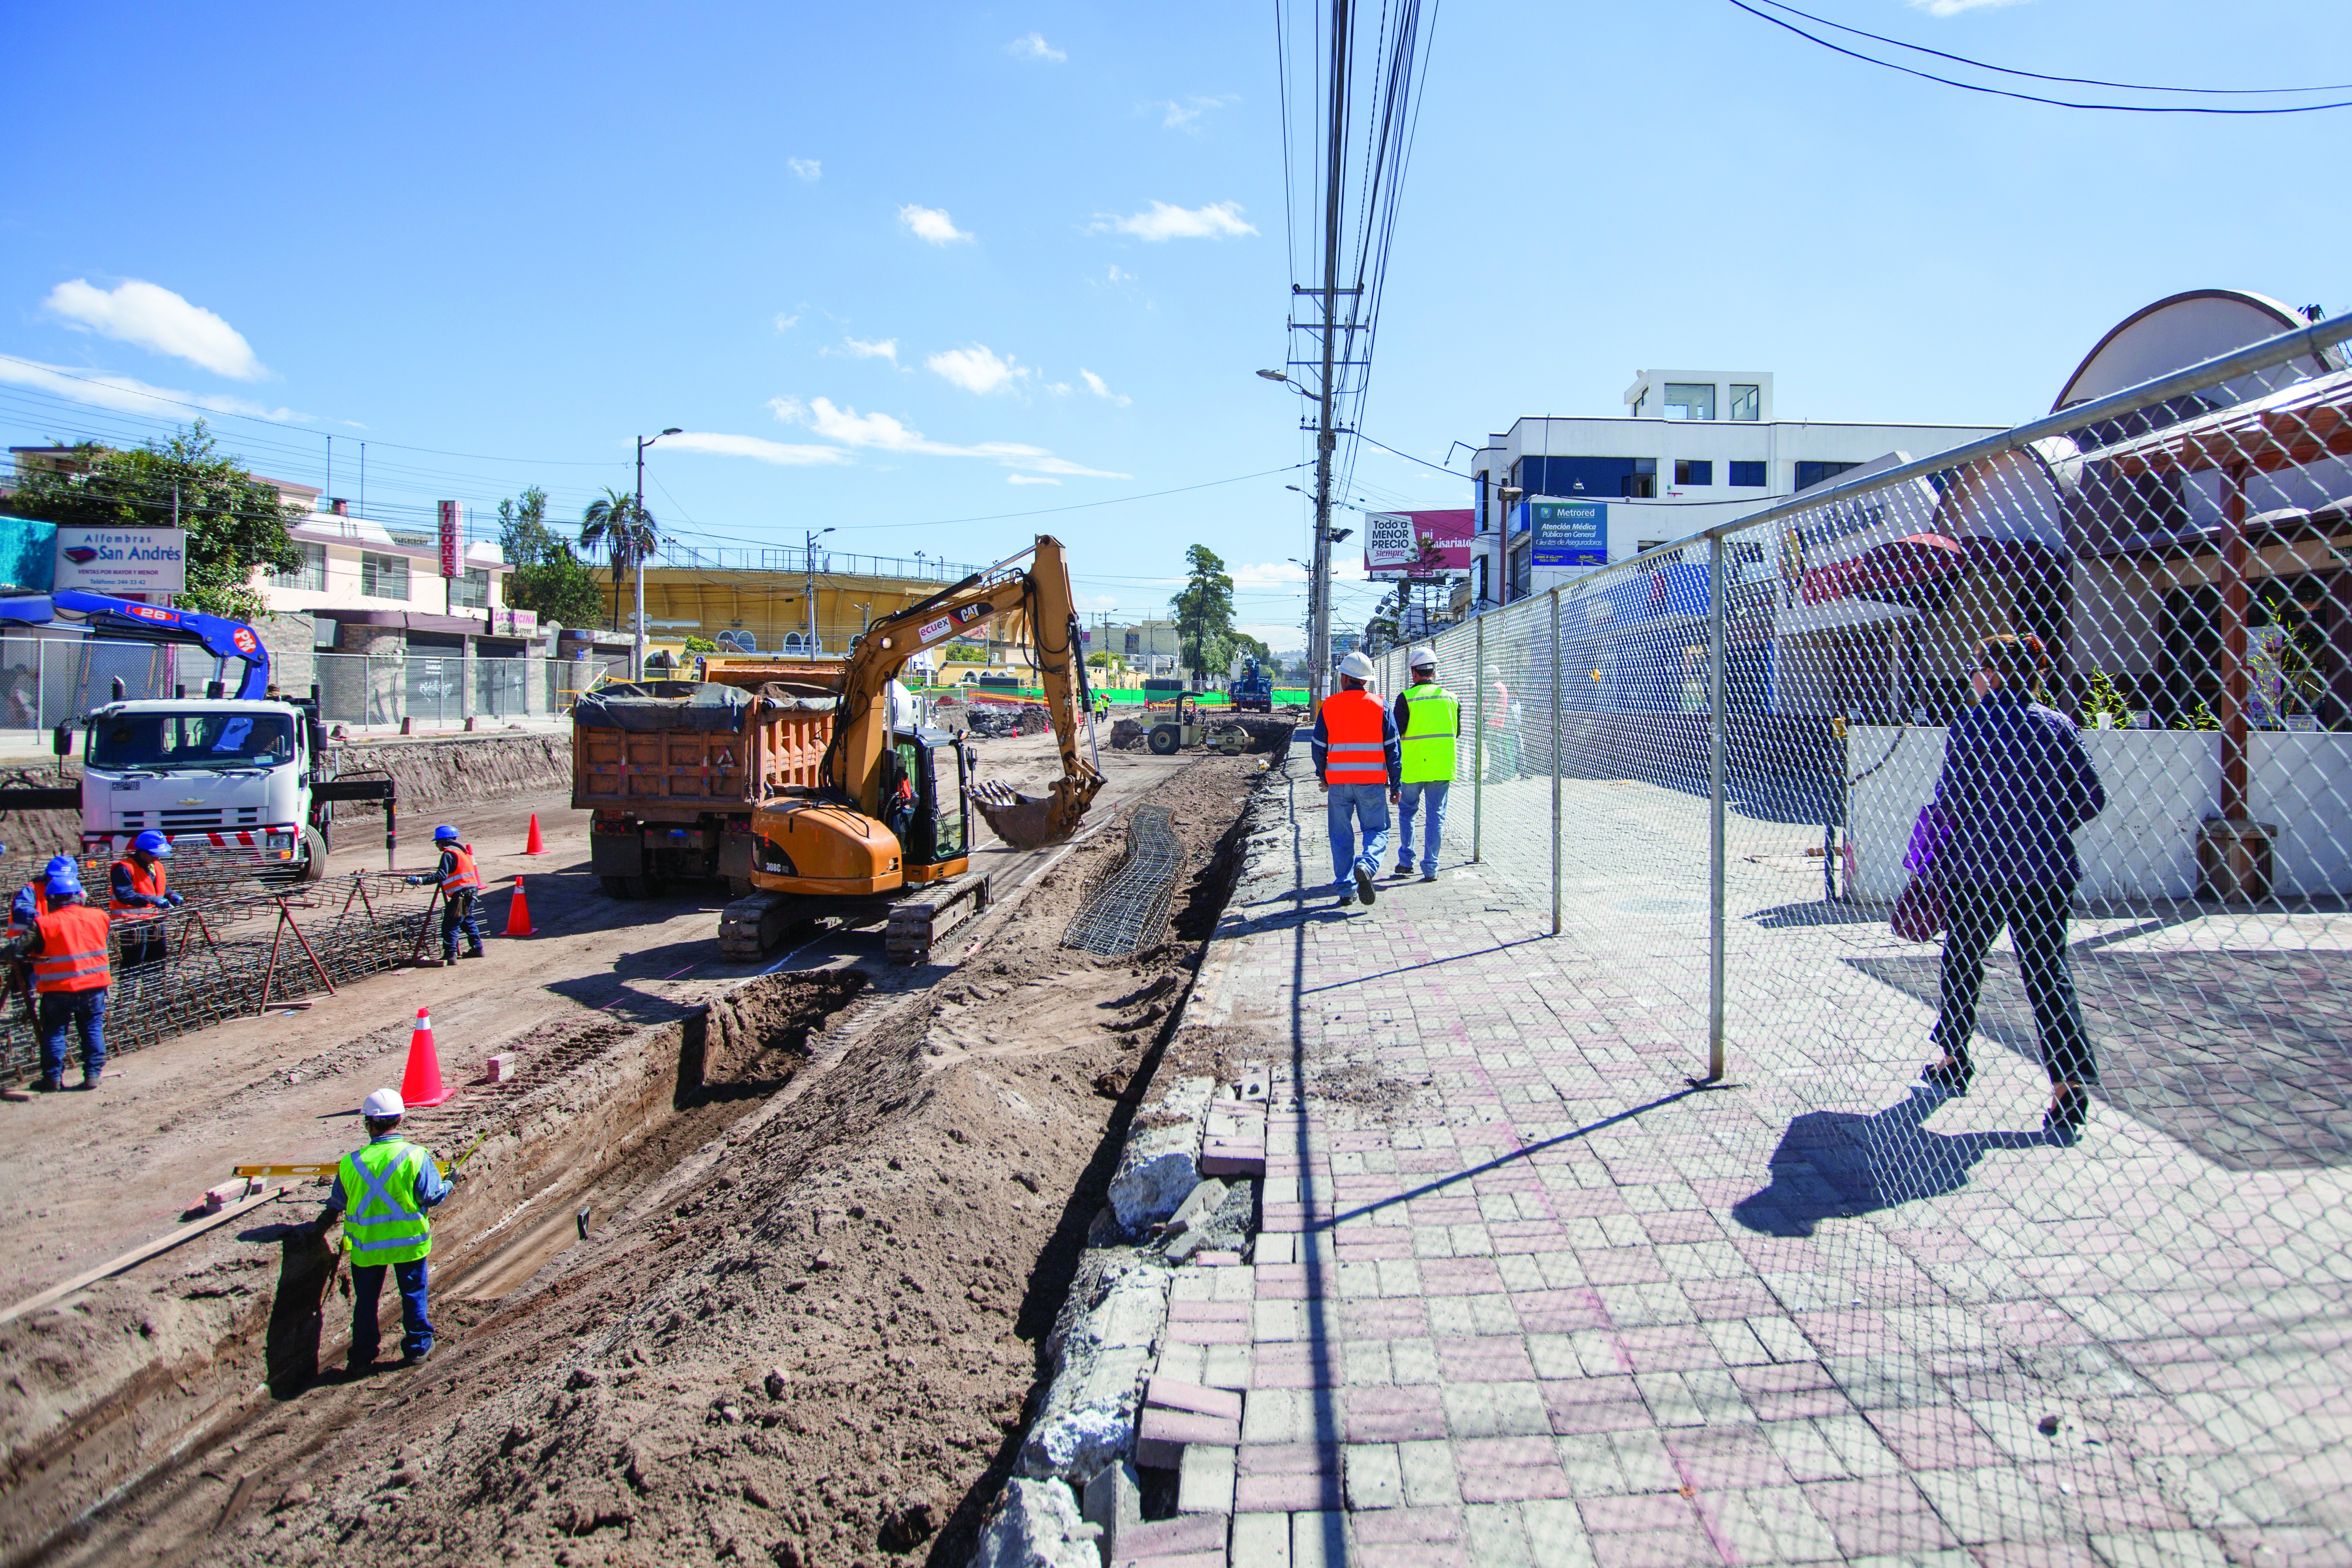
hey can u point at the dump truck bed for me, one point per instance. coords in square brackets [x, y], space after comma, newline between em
[678, 749]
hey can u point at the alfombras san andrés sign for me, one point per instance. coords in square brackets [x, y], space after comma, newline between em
[123, 560]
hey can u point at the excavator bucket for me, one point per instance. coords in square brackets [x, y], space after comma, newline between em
[1031, 822]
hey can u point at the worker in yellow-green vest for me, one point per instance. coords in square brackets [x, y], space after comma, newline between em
[1429, 718]
[380, 1193]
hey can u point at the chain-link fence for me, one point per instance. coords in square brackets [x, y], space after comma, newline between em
[2078, 700]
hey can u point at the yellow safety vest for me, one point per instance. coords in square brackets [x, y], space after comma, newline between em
[381, 1218]
[1433, 719]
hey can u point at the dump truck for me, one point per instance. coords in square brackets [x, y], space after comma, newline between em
[882, 831]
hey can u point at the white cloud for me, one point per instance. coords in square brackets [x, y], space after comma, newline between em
[1186, 116]
[1029, 479]
[866, 348]
[808, 169]
[1096, 384]
[1059, 388]
[155, 319]
[130, 395]
[1267, 576]
[1218, 220]
[1033, 47]
[932, 223]
[879, 432]
[777, 452]
[1118, 275]
[978, 369]
[1954, 8]
[786, 323]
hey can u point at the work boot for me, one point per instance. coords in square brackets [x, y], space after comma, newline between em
[1404, 868]
[49, 1086]
[472, 952]
[1364, 889]
[416, 1358]
[90, 1080]
[1430, 875]
[1346, 895]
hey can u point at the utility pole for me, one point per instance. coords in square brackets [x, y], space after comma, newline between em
[808, 563]
[1318, 604]
[639, 544]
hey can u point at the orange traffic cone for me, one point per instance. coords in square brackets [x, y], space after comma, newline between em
[518, 912]
[534, 847]
[421, 1083]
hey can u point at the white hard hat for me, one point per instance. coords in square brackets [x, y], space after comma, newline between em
[383, 1102]
[1356, 667]
[1494, 672]
[1423, 657]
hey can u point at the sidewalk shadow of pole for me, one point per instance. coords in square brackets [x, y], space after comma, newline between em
[1833, 1164]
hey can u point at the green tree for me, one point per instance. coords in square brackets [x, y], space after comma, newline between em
[614, 524]
[700, 645]
[964, 653]
[236, 523]
[547, 575]
[1204, 610]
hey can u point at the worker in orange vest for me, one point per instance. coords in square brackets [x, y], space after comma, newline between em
[138, 898]
[1359, 760]
[461, 890]
[70, 975]
[31, 903]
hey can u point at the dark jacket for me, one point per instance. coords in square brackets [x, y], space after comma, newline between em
[2015, 786]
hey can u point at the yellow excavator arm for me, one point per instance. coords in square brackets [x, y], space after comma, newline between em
[1038, 596]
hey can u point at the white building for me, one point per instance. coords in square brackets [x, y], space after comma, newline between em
[1696, 447]
[356, 564]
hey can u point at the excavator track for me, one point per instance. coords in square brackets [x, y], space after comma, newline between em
[753, 927]
[750, 926]
[921, 920]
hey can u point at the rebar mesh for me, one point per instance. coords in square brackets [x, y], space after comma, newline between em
[230, 949]
[2066, 1335]
[1129, 911]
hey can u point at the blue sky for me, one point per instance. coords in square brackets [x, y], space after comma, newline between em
[895, 268]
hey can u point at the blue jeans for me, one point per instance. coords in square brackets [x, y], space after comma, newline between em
[81, 1010]
[1352, 806]
[459, 914]
[367, 1288]
[1409, 802]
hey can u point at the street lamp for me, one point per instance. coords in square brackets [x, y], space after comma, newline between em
[636, 523]
[808, 563]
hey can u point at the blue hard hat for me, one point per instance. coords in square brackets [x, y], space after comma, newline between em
[61, 866]
[154, 843]
[445, 834]
[65, 884]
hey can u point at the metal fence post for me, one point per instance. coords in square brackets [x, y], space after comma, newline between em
[1478, 745]
[1717, 722]
[1555, 762]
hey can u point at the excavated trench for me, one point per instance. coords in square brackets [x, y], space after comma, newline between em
[602, 1112]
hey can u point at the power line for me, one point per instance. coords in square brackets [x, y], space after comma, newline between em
[2043, 76]
[2026, 96]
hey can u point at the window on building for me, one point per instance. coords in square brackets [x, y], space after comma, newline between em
[310, 576]
[1644, 546]
[1690, 471]
[1811, 474]
[470, 590]
[1690, 400]
[1747, 402]
[1748, 551]
[1641, 402]
[1642, 484]
[383, 576]
[1751, 475]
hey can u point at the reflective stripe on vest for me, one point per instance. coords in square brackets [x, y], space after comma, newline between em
[1354, 722]
[147, 879]
[462, 877]
[40, 906]
[384, 1222]
[1433, 718]
[73, 951]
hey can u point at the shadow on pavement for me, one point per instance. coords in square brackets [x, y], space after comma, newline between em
[1839, 1163]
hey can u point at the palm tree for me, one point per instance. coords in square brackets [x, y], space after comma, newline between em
[616, 524]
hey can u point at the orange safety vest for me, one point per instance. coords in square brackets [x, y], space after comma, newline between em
[73, 951]
[147, 879]
[462, 877]
[1354, 722]
[40, 891]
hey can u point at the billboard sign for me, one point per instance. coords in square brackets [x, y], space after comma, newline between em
[1568, 533]
[1419, 545]
[453, 527]
[123, 560]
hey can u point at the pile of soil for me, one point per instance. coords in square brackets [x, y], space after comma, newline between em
[814, 1341]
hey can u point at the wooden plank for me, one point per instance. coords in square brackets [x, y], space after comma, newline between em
[137, 1255]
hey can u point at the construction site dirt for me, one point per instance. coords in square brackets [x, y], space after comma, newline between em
[750, 1260]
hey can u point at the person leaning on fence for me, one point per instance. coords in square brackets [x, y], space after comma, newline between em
[1358, 760]
[67, 946]
[1429, 718]
[2016, 784]
[1502, 740]
[381, 1194]
[461, 890]
[138, 898]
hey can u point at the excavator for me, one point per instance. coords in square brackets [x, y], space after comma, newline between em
[885, 829]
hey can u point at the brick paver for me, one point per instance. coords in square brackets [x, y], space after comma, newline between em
[1524, 1295]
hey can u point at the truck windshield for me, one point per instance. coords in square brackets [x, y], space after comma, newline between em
[190, 741]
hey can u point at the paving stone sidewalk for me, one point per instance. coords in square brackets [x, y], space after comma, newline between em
[1524, 1295]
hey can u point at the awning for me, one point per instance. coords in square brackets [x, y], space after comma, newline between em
[1917, 569]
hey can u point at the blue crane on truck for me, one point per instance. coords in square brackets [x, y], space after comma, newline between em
[247, 773]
